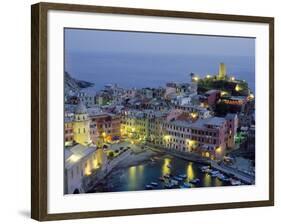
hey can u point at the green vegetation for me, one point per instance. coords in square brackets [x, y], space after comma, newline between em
[110, 155]
[235, 88]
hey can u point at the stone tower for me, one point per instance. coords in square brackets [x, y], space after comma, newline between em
[81, 125]
[222, 71]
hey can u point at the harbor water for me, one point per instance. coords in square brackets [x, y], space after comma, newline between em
[138, 177]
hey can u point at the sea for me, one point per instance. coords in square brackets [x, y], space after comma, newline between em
[138, 70]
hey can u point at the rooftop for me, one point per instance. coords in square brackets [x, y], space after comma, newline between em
[200, 123]
[76, 153]
[81, 108]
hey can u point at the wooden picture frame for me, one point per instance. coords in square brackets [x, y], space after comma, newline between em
[39, 108]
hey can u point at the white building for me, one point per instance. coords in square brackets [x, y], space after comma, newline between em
[80, 161]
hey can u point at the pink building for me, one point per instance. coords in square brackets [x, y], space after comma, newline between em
[105, 127]
[207, 137]
[68, 132]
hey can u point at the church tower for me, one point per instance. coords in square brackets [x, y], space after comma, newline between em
[222, 71]
[81, 125]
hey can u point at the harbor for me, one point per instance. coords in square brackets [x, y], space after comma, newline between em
[165, 172]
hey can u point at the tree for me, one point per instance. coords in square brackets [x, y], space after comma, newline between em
[110, 155]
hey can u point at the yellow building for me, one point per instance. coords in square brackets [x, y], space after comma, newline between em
[81, 125]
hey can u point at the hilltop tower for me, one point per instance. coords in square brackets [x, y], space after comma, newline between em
[222, 71]
[81, 125]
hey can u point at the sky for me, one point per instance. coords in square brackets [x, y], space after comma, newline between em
[101, 55]
[83, 40]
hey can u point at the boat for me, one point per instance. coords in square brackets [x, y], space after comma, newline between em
[187, 184]
[148, 187]
[235, 182]
[203, 168]
[178, 178]
[207, 170]
[195, 181]
[167, 176]
[168, 185]
[183, 176]
[174, 182]
[155, 184]
[221, 177]
[215, 173]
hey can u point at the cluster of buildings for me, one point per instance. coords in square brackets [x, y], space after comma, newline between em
[200, 117]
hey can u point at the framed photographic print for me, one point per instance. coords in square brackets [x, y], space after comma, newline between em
[140, 111]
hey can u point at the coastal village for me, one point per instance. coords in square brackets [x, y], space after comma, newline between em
[208, 120]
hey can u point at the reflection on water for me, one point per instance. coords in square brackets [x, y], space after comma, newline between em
[166, 165]
[190, 171]
[207, 181]
[132, 177]
[137, 177]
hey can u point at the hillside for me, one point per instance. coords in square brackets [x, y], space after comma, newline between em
[72, 84]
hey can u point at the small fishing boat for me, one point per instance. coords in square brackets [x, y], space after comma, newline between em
[195, 181]
[235, 182]
[174, 182]
[168, 185]
[207, 170]
[186, 185]
[215, 173]
[183, 176]
[178, 178]
[203, 168]
[221, 177]
[155, 184]
[167, 176]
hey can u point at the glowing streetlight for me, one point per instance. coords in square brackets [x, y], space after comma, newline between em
[166, 137]
[193, 115]
[238, 88]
